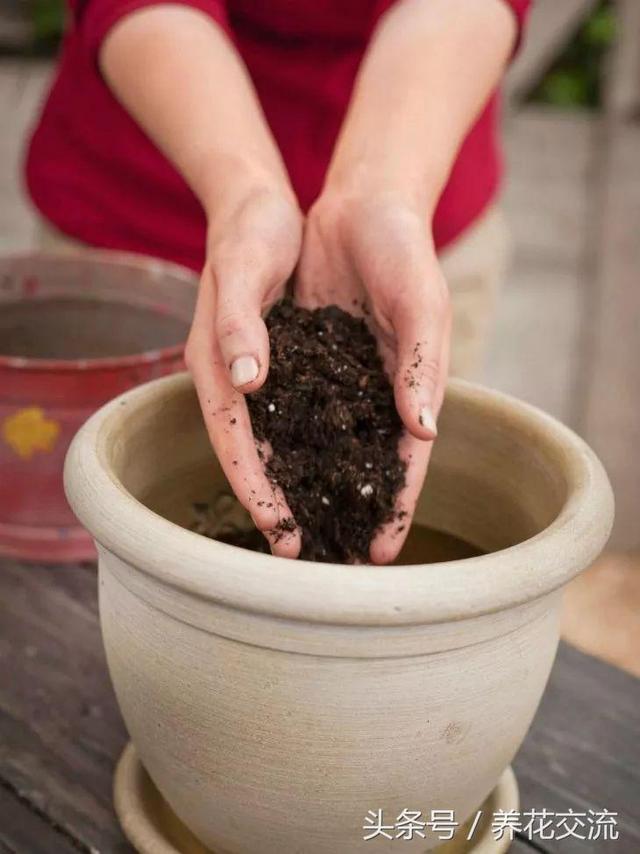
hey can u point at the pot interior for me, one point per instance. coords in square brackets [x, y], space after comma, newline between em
[497, 476]
[92, 305]
[77, 328]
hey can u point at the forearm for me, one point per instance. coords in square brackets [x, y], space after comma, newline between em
[179, 76]
[427, 74]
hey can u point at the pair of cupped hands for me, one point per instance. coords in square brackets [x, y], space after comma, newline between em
[351, 249]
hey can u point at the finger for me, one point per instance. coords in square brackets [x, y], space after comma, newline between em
[284, 540]
[229, 427]
[242, 294]
[422, 328]
[388, 542]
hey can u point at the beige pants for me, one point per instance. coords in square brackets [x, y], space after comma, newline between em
[474, 267]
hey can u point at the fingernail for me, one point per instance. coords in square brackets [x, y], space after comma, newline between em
[428, 421]
[244, 370]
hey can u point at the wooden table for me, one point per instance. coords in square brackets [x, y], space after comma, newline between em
[61, 733]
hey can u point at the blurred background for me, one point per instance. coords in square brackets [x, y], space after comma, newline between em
[568, 332]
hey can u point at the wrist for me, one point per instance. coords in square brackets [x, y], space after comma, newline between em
[386, 216]
[227, 179]
[362, 182]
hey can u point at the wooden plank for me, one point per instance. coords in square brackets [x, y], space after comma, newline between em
[61, 731]
[583, 751]
[551, 26]
[611, 410]
[25, 831]
[623, 91]
[523, 846]
[609, 415]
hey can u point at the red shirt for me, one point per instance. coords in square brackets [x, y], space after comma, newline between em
[95, 174]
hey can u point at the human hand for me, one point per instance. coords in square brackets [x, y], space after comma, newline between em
[376, 256]
[253, 245]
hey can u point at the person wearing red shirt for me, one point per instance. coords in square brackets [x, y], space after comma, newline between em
[351, 141]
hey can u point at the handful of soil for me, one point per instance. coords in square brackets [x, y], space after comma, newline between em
[327, 409]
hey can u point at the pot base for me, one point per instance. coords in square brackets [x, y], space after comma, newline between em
[152, 827]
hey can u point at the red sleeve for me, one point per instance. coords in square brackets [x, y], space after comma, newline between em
[520, 9]
[94, 18]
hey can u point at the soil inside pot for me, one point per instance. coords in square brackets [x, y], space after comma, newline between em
[328, 413]
[225, 520]
[73, 328]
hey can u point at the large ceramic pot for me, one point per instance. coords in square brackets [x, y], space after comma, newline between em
[274, 702]
[76, 329]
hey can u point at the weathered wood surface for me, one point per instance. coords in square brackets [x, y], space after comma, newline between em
[611, 418]
[583, 751]
[623, 90]
[610, 391]
[61, 733]
[23, 829]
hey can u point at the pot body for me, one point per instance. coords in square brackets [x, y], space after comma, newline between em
[44, 401]
[269, 736]
[275, 703]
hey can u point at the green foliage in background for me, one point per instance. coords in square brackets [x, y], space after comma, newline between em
[48, 19]
[575, 78]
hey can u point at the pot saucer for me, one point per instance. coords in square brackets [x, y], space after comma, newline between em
[152, 827]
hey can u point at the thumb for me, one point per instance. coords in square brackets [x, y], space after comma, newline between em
[422, 330]
[240, 330]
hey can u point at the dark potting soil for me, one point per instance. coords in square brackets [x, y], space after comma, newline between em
[328, 412]
[223, 519]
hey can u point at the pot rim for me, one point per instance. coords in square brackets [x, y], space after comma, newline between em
[105, 257]
[339, 594]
